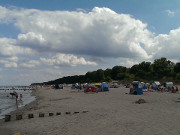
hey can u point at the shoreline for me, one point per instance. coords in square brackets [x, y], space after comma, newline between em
[26, 107]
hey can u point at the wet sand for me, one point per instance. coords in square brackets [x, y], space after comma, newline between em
[108, 113]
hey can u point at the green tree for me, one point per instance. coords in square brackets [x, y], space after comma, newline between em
[116, 70]
[108, 79]
[163, 67]
[100, 75]
[145, 66]
[108, 72]
[177, 68]
[134, 69]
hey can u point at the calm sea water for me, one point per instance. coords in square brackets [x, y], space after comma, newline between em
[8, 104]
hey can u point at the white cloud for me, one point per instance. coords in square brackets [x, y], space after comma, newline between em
[30, 64]
[81, 10]
[32, 40]
[10, 51]
[101, 32]
[8, 48]
[11, 65]
[167, 45]
[10, 62]
[170, 13]
[4, 14]
[66, 60]
[128, 62]
[79, 38]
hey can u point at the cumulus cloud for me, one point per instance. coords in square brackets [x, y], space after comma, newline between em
[170, 13]
[167, 45]
[81, 10]
[10, 62]
[30, 64]
[9, 48]
[127, 62]
[10, 51]
[100, 32]
[79, 38]
[66, 60]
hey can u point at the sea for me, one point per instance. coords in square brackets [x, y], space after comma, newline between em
[8, 103]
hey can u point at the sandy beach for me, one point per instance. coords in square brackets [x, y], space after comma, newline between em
[104, 113]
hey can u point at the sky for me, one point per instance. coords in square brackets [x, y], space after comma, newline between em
[43, 40]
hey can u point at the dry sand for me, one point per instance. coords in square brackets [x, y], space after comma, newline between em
[103, 113]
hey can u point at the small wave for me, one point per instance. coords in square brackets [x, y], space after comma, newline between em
[8, 104]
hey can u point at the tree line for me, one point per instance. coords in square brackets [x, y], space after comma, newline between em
[161, 69]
